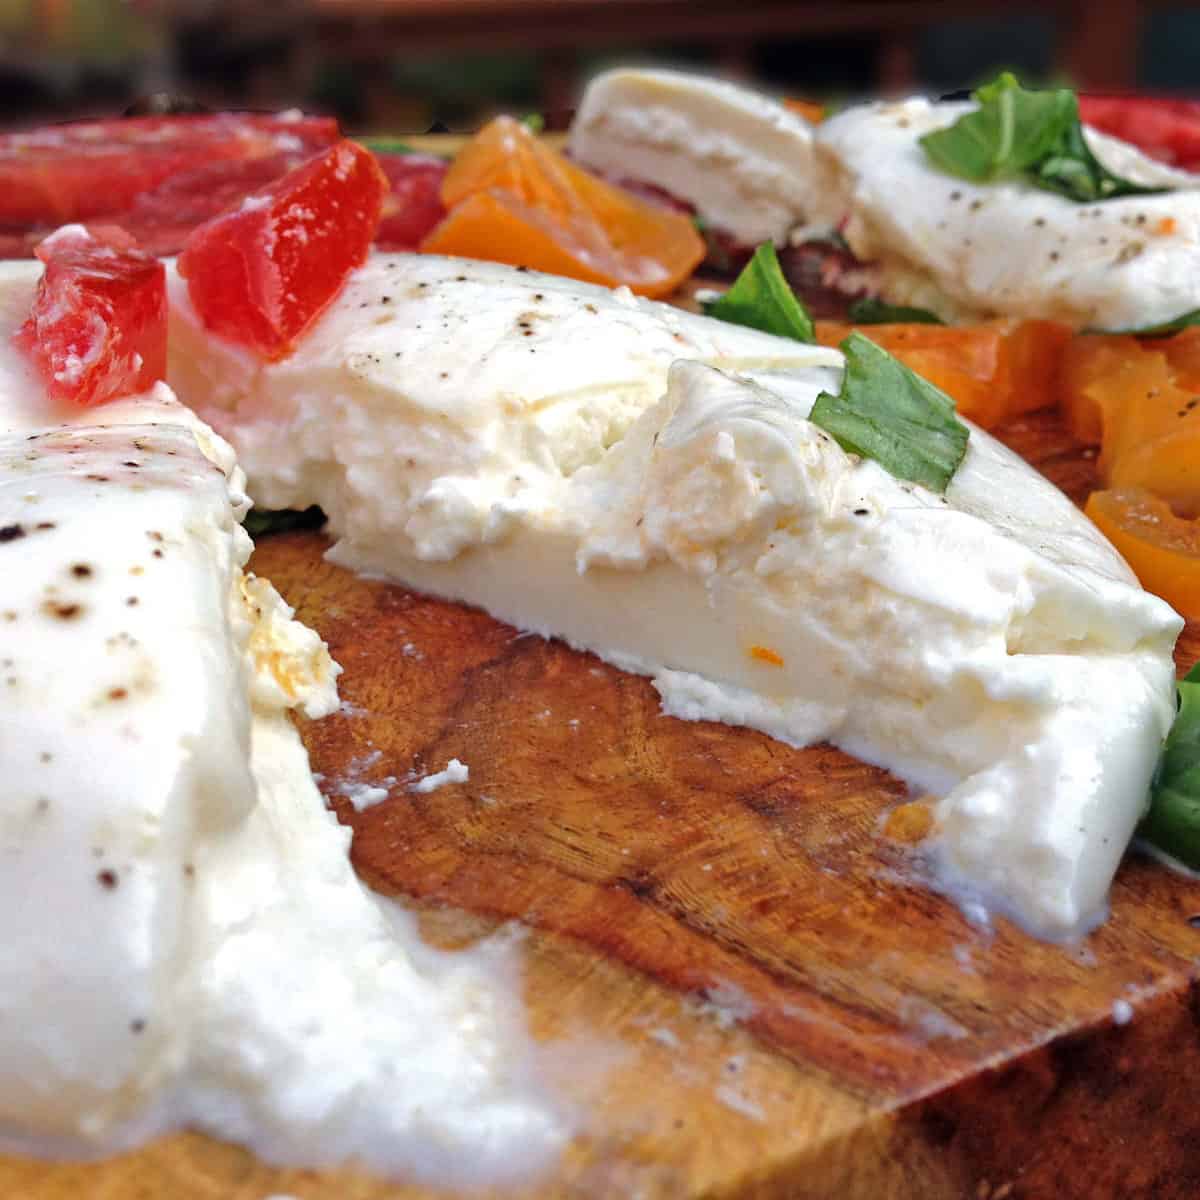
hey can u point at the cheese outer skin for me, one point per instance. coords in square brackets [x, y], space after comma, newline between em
[742, 160]
[656, 474]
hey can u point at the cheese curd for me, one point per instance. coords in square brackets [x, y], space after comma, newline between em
[972, 250]
[183, 941]
[988, 645]
[442, 400]
[741, 159]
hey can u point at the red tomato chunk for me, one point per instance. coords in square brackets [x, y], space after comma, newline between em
[260, 274]
[86, 169]
[1168, 130]
[414, 206]
[98, 327]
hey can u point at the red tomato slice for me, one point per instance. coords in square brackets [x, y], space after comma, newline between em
[98, 328]
[414, 205]
[1168, 130]
[86, 169]
[197, 194]
[262, 273]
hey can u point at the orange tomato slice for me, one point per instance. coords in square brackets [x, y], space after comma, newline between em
[1183, 353]
[1087, 363]
[1162, 548]
[512, 199]
[1129, 396]
[1153, 441]
[810, 110]
[993, 371]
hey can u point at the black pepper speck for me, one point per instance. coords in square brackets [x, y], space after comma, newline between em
[64, 612]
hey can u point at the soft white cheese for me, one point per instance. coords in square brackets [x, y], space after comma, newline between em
[741, 159]
[971, 250]
[443, 400]
[182, 939]
[989, 646]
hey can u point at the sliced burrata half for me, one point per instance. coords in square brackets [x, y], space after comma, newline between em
[646, 484]
[742, 160]
[971, 250]
[183, 941]
[442, 399]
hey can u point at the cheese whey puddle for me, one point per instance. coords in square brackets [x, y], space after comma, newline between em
[537, 447]
[184, 941]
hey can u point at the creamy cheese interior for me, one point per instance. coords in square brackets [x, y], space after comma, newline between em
[538, 447]
[972, 250]
[446, 399]
[183, 941]
[742, 159]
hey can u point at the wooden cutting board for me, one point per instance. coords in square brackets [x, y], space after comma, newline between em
[730, 966]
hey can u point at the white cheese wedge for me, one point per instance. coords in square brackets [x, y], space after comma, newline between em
[183, 941]
[988, 646]
[440, 400]
[970, 250]
[741, 159]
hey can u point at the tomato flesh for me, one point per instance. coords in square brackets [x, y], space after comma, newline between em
[1162, 548]
[992, 371]
[513, 199]
[98, 327]
[86, 169]
[260, 274]
[414, 205]
[1168, 130]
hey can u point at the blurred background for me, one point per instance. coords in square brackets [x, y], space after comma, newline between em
[412, 65]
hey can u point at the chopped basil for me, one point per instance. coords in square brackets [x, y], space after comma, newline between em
[1034, 136]
[889, 413]
[534, 122]
[761, 298]
[262, 521]
[884, 411]
[873, 311]
[1173, 822]
[386, 145]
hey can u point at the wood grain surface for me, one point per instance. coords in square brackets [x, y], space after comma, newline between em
[732, 967]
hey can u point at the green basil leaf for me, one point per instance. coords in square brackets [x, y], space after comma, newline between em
[534, 122]
[386, 145]
[889, 413]
[873, 311]
[1035, 136]
[1173, 822]
[1008, 133]
[761, 298]
[262, 521]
